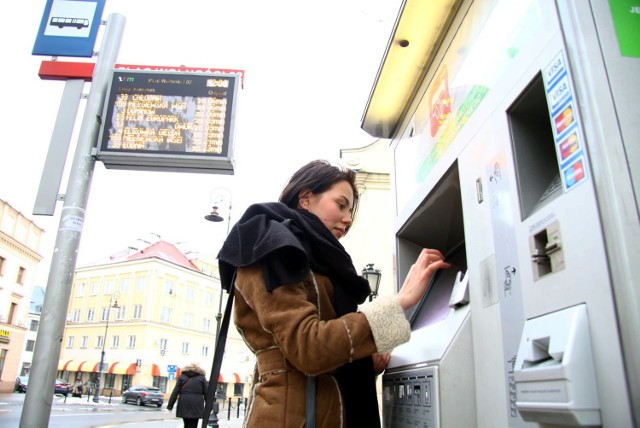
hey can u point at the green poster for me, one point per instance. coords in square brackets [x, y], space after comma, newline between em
[626, 20]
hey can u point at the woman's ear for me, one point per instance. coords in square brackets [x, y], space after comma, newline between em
[303, 199]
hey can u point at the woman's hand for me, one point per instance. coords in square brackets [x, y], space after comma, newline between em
[417, 280]
[380, 362]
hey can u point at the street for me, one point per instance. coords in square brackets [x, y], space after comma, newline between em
[83, 412]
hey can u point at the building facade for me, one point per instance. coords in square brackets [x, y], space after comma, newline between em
[33, 322]
[20, 240]
[146, 315]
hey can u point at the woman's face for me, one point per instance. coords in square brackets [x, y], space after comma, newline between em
[332, 206]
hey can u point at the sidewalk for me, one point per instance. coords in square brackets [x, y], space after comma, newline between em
[108, 404]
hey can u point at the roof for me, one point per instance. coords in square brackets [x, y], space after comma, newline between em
[164, 251]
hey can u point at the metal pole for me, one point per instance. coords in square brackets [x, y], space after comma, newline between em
[37, 404]
[96, 397]
[213, 417]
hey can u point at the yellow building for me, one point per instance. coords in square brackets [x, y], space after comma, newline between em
[151, 312]
[19, 245]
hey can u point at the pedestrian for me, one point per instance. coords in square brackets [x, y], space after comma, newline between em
[297, 305]
[191, 388]
[76, 391]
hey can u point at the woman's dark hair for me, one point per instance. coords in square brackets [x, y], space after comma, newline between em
[318, 176]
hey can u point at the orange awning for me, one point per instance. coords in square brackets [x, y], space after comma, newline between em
[229, 377]
[88, 366]
[70, 365]
[155, 370]
[78, 366]
[123, 368]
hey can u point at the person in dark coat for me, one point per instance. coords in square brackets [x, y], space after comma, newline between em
[191, 387]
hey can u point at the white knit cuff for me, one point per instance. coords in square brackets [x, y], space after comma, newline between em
[388, 323]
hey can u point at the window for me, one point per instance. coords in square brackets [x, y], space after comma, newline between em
[115, 341]
[85, 342]
[185, 347]
[137, 312]
[169, 287]
[94, 288]
[124, 285]
[70, 340]
[3, 358]
[205, 351]
[80, 289]
[30, 345]
[163, 344]
[187, 320]
[34, 325]
[238, 389]
[90, 314]
[165, 315]
[99, 341]
[160, 382]
[120, 311]
[208, 299]
[12, 312]
[141, 282]
[191, 294]
[206, 324]
[76, 315]
[109, 380]
[108, 286]
[132, 341]
[21, 275]
[2, 263]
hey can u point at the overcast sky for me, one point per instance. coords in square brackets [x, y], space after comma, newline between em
[309, 68]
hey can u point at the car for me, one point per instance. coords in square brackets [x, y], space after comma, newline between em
[143, 395]
[62, 386]
[21, 384]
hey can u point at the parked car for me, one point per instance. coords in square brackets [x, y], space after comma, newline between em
[143, 395]
[21, 384]
[62, 386]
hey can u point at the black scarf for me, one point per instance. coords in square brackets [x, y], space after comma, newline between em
[287, 243]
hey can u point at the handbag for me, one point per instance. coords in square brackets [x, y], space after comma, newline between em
[217, 364]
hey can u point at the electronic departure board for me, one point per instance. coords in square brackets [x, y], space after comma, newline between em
[169, 121]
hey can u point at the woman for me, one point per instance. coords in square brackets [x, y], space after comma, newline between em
[191, 387]
[297, 295]
[76, 391]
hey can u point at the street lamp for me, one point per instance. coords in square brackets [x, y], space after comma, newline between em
[96, 396]
[218, 196]
[372, 275]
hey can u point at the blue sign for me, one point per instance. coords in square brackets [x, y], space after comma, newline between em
[172, 369]
[171, 376]
[69, 28]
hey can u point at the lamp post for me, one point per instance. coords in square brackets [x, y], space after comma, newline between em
[372, 275]
[218, 196]
[96, 396]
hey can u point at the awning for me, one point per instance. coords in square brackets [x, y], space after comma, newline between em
[88, 366]
[122, 368]
[78, 365]
[229, 377]
[73, 365]
[155, 370]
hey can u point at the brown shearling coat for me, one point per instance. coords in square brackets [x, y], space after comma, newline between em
[293, 331]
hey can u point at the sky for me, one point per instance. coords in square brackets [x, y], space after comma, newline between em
[309, 69]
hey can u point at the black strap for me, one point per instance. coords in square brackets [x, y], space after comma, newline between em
[311, 402]
[217, 360]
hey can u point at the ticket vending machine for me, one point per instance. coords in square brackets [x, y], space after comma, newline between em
[514, 152]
